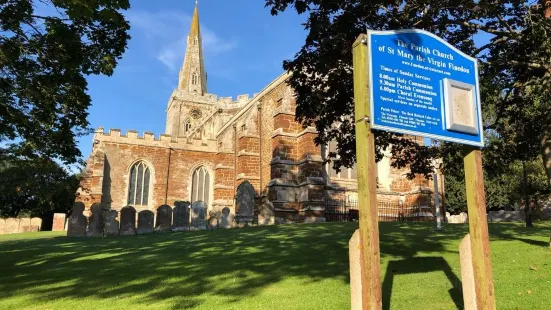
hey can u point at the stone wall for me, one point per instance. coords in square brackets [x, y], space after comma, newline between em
[20, 225]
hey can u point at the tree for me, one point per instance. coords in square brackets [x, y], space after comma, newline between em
[35, 187]
[513, 51]
[47, 48]
[504, 188]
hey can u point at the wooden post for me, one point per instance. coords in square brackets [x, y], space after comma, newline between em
[367, 186]
[478, 230]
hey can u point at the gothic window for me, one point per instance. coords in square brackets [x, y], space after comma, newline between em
[187, 125]
[138, 187]
[200, 185]
[194, 79]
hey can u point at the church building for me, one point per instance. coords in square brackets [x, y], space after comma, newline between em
[213, 144]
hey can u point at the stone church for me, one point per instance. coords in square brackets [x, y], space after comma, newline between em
[211, 145]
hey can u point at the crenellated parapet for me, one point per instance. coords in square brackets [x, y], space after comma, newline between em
[150, 139]
[229, 103]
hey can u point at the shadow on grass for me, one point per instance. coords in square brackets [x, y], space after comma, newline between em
[421, 265]
[233, 264]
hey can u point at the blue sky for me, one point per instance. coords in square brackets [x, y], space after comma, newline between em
[244, 48]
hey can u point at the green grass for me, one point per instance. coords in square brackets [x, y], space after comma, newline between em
[277, 267]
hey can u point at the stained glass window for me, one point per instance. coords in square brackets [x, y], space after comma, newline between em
[138, 187]
[200, 185]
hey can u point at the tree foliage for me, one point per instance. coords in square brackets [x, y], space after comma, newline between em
[505, 188]
[511, 40]
[35, 187]
[47, 48]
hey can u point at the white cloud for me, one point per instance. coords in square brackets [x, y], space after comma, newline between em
[168, 30]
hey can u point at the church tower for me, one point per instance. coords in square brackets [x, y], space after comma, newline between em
[193, 77]
[190, 103]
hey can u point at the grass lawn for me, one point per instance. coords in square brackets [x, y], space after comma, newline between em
[277, 267]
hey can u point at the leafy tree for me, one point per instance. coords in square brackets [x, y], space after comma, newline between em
[505, 188]
[513, 53]
[47, 48]
[35, 187]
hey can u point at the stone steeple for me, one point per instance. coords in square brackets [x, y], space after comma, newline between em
[193, 77]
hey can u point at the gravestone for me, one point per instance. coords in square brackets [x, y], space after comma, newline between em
[12, 225]
[226, 219]
[198, 216]
[76, 225]
[181, 216]
[111, 224]
[24, 225]
[213, 220]
[266, 215]
[95, 222]
[244, 201]
[59, 222]
[145, 222]
[128, 221]
[36, 223]
[164, 218]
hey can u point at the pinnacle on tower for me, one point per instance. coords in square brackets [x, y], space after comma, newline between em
[192, 75]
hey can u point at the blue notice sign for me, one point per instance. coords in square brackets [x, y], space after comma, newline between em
[421, 85]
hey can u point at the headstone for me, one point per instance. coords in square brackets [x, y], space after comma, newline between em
[2, 226]
[354, 256]
[76, 225]
[505, 216]
[145, 222]
[226, 219]
[59, 222]
[266, 215]
[198, 216]
[111, 224]
[467, 273]
[12, 225]
[214, 217]
[36, 223]
[95, 222]
[181, 216]
[24, 225]
[244, 201]
[164, 218]
[128, 221]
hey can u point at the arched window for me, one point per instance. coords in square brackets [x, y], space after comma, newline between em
[187, 125]
[200, 185]
[138, 187]
[194, 79]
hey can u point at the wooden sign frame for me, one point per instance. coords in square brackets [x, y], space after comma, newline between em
[475, 250]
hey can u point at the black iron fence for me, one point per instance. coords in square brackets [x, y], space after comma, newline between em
[347, 211]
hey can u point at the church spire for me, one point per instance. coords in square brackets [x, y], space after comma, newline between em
[193, 77]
